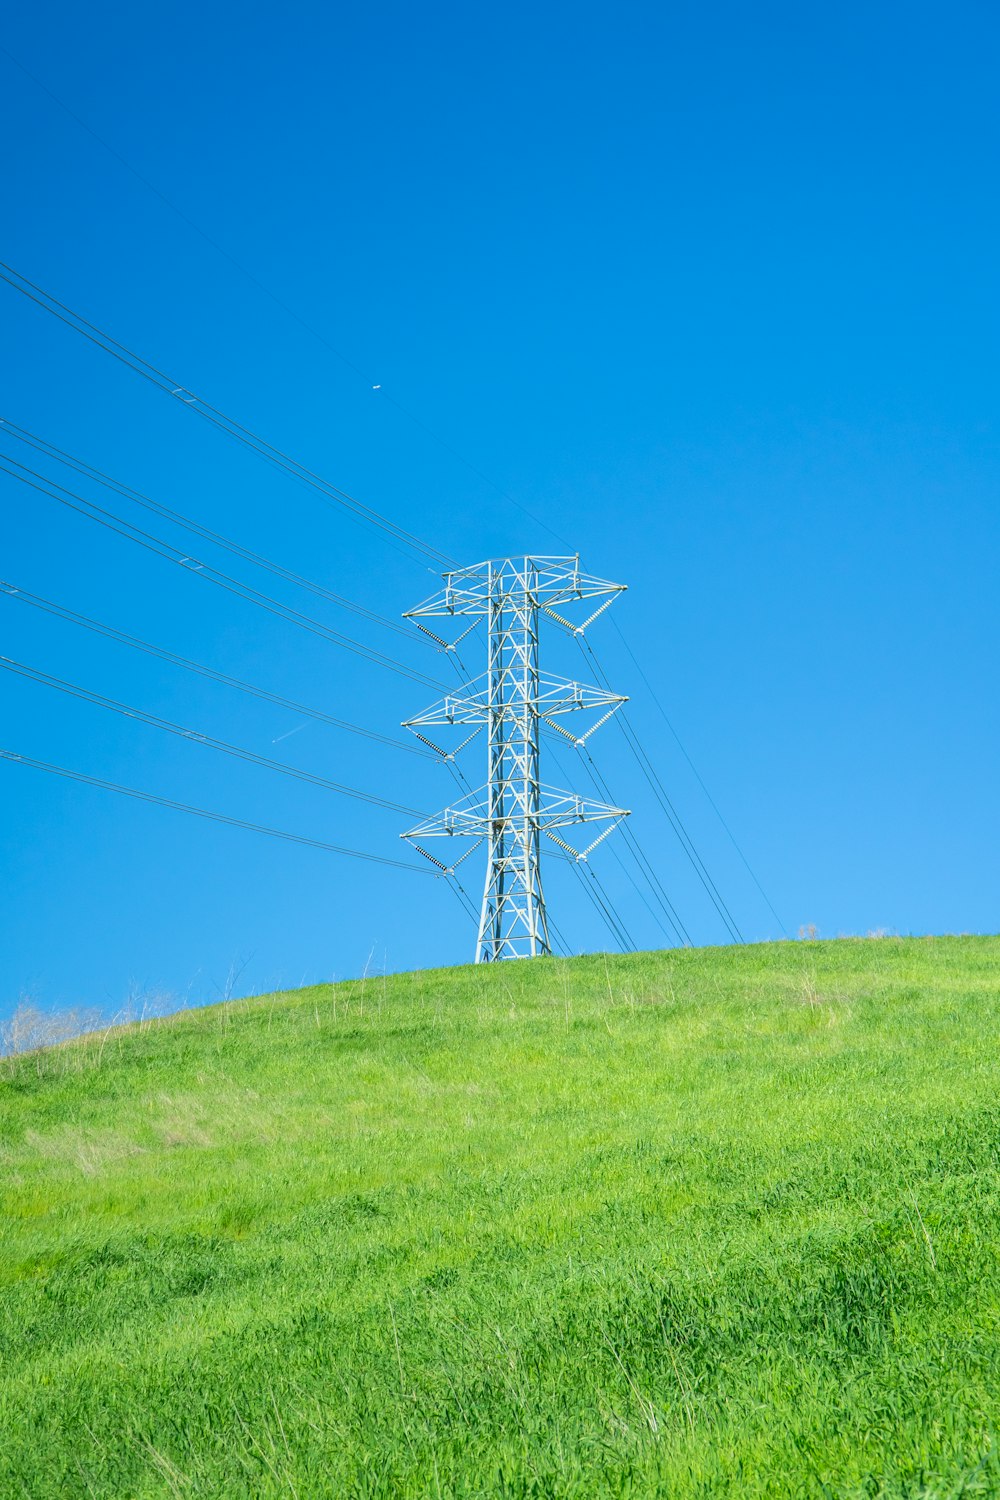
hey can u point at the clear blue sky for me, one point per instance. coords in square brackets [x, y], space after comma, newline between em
[709, 289]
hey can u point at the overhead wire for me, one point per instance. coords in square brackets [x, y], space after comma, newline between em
[677, 931]
[201, 812]
[464, 899]
[564, 950]
[397, 536]
[674, 930]
[653, 778]
[690, 850]
[285, 307]
[272, 454]
[607, 900]
[170, 553]
[74, 690]
[458, 775]
[632, 843]
[98, 628]
[605, 907]
[697, 775]
[49, 450]
[601, 907]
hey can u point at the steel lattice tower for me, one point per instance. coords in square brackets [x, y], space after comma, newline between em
[512, 701]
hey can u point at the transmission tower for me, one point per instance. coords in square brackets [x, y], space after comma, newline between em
[511, 701]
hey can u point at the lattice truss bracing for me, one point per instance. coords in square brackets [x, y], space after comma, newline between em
[511, 701]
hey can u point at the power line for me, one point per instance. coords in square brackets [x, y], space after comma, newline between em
[464, 899]
[62, 613]
[279, 302]
[332, 496]
[683, 837]
[201, 812]
[41, 445]
[659, 791]
[607, 899]
[645, 865]
[558, 937]
[675, 936]
[126, 711]
[170, 553]
[697, 776]
[679, 932]
[642, 859]
[600, 907]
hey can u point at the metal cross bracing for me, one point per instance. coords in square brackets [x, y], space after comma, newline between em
[514, 810]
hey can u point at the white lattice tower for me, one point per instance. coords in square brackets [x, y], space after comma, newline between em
[514, 809]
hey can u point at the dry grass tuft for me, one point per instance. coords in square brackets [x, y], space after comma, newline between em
[89, 1151]
[30, 1028]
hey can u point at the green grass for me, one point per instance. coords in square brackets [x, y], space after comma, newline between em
[721, 1222]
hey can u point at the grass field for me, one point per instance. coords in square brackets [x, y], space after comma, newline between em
[719, 1222]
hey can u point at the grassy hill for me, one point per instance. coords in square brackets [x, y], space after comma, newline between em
[699, 1223]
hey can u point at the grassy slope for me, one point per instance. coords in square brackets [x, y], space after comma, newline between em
[696, 1223]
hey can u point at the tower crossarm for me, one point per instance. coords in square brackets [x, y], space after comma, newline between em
[558, 695]
[554, 695]
[470, 817]
[478, 589]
